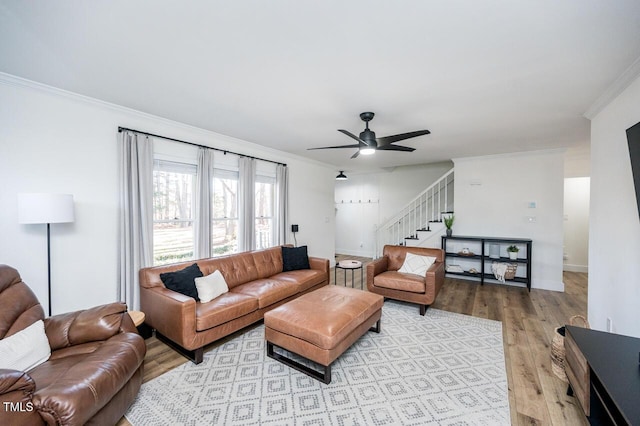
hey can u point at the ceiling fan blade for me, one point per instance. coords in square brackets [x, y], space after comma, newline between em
[355, 155]
[396, 148]
[395, 138]
[351, 135]
[339, 146]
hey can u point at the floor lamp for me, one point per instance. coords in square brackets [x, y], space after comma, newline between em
[46, 208]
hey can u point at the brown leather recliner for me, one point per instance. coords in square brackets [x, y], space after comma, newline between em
[95, 369]
[383, 277]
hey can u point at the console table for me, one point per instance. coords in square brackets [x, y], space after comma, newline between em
[604, 375]
[480, 255]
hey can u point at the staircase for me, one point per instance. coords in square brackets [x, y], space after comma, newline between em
[419, 223]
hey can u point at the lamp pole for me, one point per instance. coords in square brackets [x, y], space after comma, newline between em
[49, 265]
[36, 208]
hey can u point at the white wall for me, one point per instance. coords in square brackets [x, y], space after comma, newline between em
[55, 141]
[577, 161]
[614, 231]
[576, 224]
[365, 201]
[492, 196]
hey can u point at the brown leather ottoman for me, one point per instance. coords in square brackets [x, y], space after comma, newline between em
[321, 325]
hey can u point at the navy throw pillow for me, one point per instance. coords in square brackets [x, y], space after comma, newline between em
[294, 258]
[183, 281]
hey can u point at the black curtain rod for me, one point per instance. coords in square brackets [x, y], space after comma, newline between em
[121, 129]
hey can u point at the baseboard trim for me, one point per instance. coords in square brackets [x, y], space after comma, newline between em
[575, 268]
[547, 285]
[354, 253]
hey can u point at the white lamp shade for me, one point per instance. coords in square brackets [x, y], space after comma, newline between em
[45, 208]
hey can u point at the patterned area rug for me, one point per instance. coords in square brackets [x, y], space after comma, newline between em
[443, 369]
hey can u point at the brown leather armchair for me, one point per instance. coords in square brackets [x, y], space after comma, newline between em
[383, 277]
[94, 371]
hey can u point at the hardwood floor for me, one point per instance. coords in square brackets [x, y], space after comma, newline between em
[536, 396]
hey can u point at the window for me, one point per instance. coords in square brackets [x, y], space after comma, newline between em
[265, 190]
[224, 224]
[173, 211]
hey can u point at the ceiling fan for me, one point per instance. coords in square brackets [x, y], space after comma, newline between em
[368, 143]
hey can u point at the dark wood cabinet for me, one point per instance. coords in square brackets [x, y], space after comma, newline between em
[481, 257]
[604, 374]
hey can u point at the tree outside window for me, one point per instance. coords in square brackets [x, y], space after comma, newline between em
[173, 212]
[224, 225]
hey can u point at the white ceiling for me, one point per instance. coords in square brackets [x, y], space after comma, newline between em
[485, 77]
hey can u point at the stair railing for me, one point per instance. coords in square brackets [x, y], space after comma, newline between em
[426, 207]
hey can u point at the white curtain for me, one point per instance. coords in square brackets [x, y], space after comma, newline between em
[135, 152]
[281, 213]
[204, 182]
[246, 196]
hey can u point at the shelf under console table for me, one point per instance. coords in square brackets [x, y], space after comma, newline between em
[604, 375]
[480, 255]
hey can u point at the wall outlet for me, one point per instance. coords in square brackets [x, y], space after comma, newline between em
[609, 325]
[294, 228]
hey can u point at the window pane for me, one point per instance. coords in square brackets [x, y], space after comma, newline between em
[224, 226]
[173, 209]
[264, 199]
[224, 237]
[225, 198]
[264, 214]
[264, 233]
[172, 242]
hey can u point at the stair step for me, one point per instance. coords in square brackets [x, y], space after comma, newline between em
[416, 213]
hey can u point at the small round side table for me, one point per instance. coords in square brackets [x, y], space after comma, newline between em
[137, 317]
[347, 265]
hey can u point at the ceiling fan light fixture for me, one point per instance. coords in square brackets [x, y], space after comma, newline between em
[367, 151]
[341, 176]
[368, 143]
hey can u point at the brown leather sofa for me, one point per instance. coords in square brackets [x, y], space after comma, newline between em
[256, 283]
[383, 277]
[94, 371]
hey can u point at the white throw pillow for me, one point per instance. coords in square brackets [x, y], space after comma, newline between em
[211, 286]
[416, 264]
[26, 349]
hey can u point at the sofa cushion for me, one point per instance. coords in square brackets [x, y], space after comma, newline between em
[416, 264]
[396, 254]
[211, 286]
[400, 281]
[183, 281]
[236, 268]
[268, 261]
[227, 307]
[26, 349]
[267, 291]
[294, 258]
[303, 278]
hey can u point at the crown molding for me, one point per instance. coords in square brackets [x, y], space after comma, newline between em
[229, 141]
[549, 151]
[613, 91]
